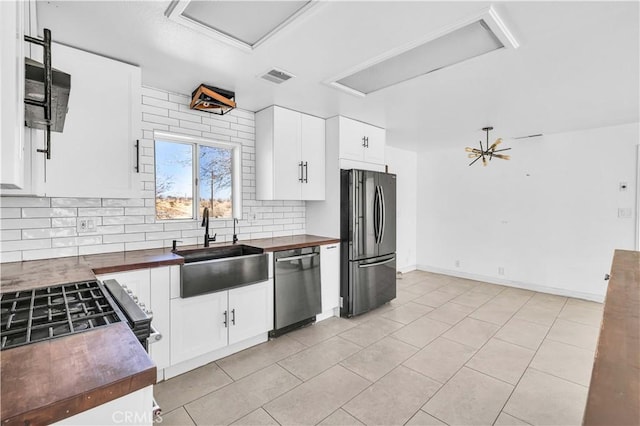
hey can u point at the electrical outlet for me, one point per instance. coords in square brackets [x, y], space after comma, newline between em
[252, 216]
[86, 225]
[457, 263]
[500, 270]
[625, 213]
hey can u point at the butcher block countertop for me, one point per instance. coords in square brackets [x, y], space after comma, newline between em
[614, 393]
[51, 380]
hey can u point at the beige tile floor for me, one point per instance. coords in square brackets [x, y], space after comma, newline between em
[445, 351]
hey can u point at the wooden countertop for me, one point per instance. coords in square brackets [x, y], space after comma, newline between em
[48, 381]
[16, 276]
[614, 393]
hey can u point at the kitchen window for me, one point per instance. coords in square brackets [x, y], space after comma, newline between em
[193, 173]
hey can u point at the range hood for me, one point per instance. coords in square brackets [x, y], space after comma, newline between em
[34, 73]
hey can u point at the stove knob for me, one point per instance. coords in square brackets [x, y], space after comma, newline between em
[124, 287]
[135, 298]
[142, 306]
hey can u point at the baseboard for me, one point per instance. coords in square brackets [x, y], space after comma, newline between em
[183, 367]
[406, 269]
[517, 284]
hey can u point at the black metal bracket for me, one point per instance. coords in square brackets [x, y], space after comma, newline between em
[137, 168]
[46, 103]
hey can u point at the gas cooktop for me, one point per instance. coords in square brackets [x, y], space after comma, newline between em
[45, 313]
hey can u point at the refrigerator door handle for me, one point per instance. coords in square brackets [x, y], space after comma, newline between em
[369, 265]
[383, 214]
[376, 215]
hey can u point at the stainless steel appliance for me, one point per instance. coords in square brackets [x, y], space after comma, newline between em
[50, 312]
[368, 240]
[297, 298]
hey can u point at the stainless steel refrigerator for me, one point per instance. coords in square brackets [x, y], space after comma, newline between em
[368, 240]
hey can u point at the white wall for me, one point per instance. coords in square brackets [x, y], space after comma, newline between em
[404, 165]
[42, 227]
[549, 216]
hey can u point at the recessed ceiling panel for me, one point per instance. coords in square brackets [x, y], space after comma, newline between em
[464, 43]
[246, 21]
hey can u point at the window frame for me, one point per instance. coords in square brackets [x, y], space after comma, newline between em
[196, 142]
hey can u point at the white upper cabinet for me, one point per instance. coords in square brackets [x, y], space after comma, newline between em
[361, 142]
[12, 94]
[95, 155]
[290, 155]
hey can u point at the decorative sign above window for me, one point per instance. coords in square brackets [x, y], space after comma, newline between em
[487, 152]
[212, 99]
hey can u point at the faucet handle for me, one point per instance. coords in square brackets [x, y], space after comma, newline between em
[174, 245]
[214, 236]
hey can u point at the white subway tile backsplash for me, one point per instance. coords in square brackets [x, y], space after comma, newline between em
[122, 202]
[25, 245]
[10, 256]
[110, 229]
[49, 253]
[38, 228]
[150, 109]
[32, 212]
[25, 223]
[150, 227]
[76, 202]
[60, 222]
[10, 234]
[122, 220]
[24, 202]
[152, 118]
[154, 93]
[100, 248]
[76, 241]
[11, 212]
[29, 234]
[143, 245]
[123, 238]
[103, 211]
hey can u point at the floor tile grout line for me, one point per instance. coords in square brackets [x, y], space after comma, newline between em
[530, 361]
[561, 378]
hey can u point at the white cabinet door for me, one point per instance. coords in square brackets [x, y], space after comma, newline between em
[12, 94]
[330, 276]
[290, 155]
[287, 171]
[312, 148]
[250, 310]
[374, 149]
[198, 325]
[351, 142]
[95, 155]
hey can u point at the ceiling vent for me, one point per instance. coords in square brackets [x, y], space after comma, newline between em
[482, 33]
[277, 76]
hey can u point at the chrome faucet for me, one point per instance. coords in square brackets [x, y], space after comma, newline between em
[205, 223]
[235, 236]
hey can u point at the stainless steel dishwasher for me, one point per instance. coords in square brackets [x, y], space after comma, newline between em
[297, 298]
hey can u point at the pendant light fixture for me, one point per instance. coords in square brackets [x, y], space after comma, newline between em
[487, 152]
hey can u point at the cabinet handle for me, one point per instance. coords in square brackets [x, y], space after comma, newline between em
[233, 317]
[306, 172]
[225, 320]
[137, 156]
[301, 178]
[331, 247]
[364, 142]
[366, 139]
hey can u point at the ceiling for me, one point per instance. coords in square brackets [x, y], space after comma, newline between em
[577, 67]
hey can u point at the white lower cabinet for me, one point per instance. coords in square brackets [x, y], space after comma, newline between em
[198, 325]
[206, 323]
[330, 279]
